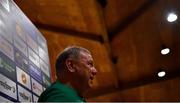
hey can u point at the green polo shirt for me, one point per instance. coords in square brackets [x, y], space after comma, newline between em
[58, 92]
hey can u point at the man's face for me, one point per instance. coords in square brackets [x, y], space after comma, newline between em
[85, 70]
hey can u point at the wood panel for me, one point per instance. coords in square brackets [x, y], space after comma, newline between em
[117, 11]
[164, 91]
[70, 14]
[138, 46]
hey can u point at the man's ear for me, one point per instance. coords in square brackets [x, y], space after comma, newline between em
[70, 65]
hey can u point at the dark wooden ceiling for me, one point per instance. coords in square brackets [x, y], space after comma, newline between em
[70, 14]
[134, 31]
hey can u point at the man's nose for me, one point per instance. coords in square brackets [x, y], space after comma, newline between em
[94, 71]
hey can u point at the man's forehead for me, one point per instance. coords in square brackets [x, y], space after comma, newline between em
[86, 55]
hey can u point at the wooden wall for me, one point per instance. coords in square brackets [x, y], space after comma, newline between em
[137, 48]
[164, 91]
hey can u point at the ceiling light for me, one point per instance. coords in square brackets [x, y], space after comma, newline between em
[165, 51]
[171, 17]
[161, 74]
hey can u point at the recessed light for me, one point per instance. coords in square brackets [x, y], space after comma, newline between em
[165, 51]
[161, 74]
[172, 17]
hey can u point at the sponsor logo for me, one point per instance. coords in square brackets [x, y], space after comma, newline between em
[41, 52]
[4, 26]
[23, 78]
[25, 96]
[34, 69]
[6, 48]
[32, 43]
[6, 65]
[21, 60]
[43, 55]
[35, 72]
[33, 57]
[20, 32]
[7, 86]
[20, 45]
[44, 68]
[36, 87]
[42, 42]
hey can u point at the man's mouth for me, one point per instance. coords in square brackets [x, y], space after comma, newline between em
[91, 77]
[91, 80]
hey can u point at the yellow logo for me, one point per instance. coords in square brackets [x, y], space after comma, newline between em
[23, 77]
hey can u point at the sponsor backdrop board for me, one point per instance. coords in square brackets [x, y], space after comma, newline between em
[24, 59]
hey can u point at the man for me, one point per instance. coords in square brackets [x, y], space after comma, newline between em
[75, 71]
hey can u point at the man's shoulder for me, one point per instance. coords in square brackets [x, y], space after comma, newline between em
[61, 87]
[59, 92]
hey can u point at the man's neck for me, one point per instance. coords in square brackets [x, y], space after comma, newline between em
[77, 88]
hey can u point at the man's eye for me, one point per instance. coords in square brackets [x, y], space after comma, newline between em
[91, 64]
